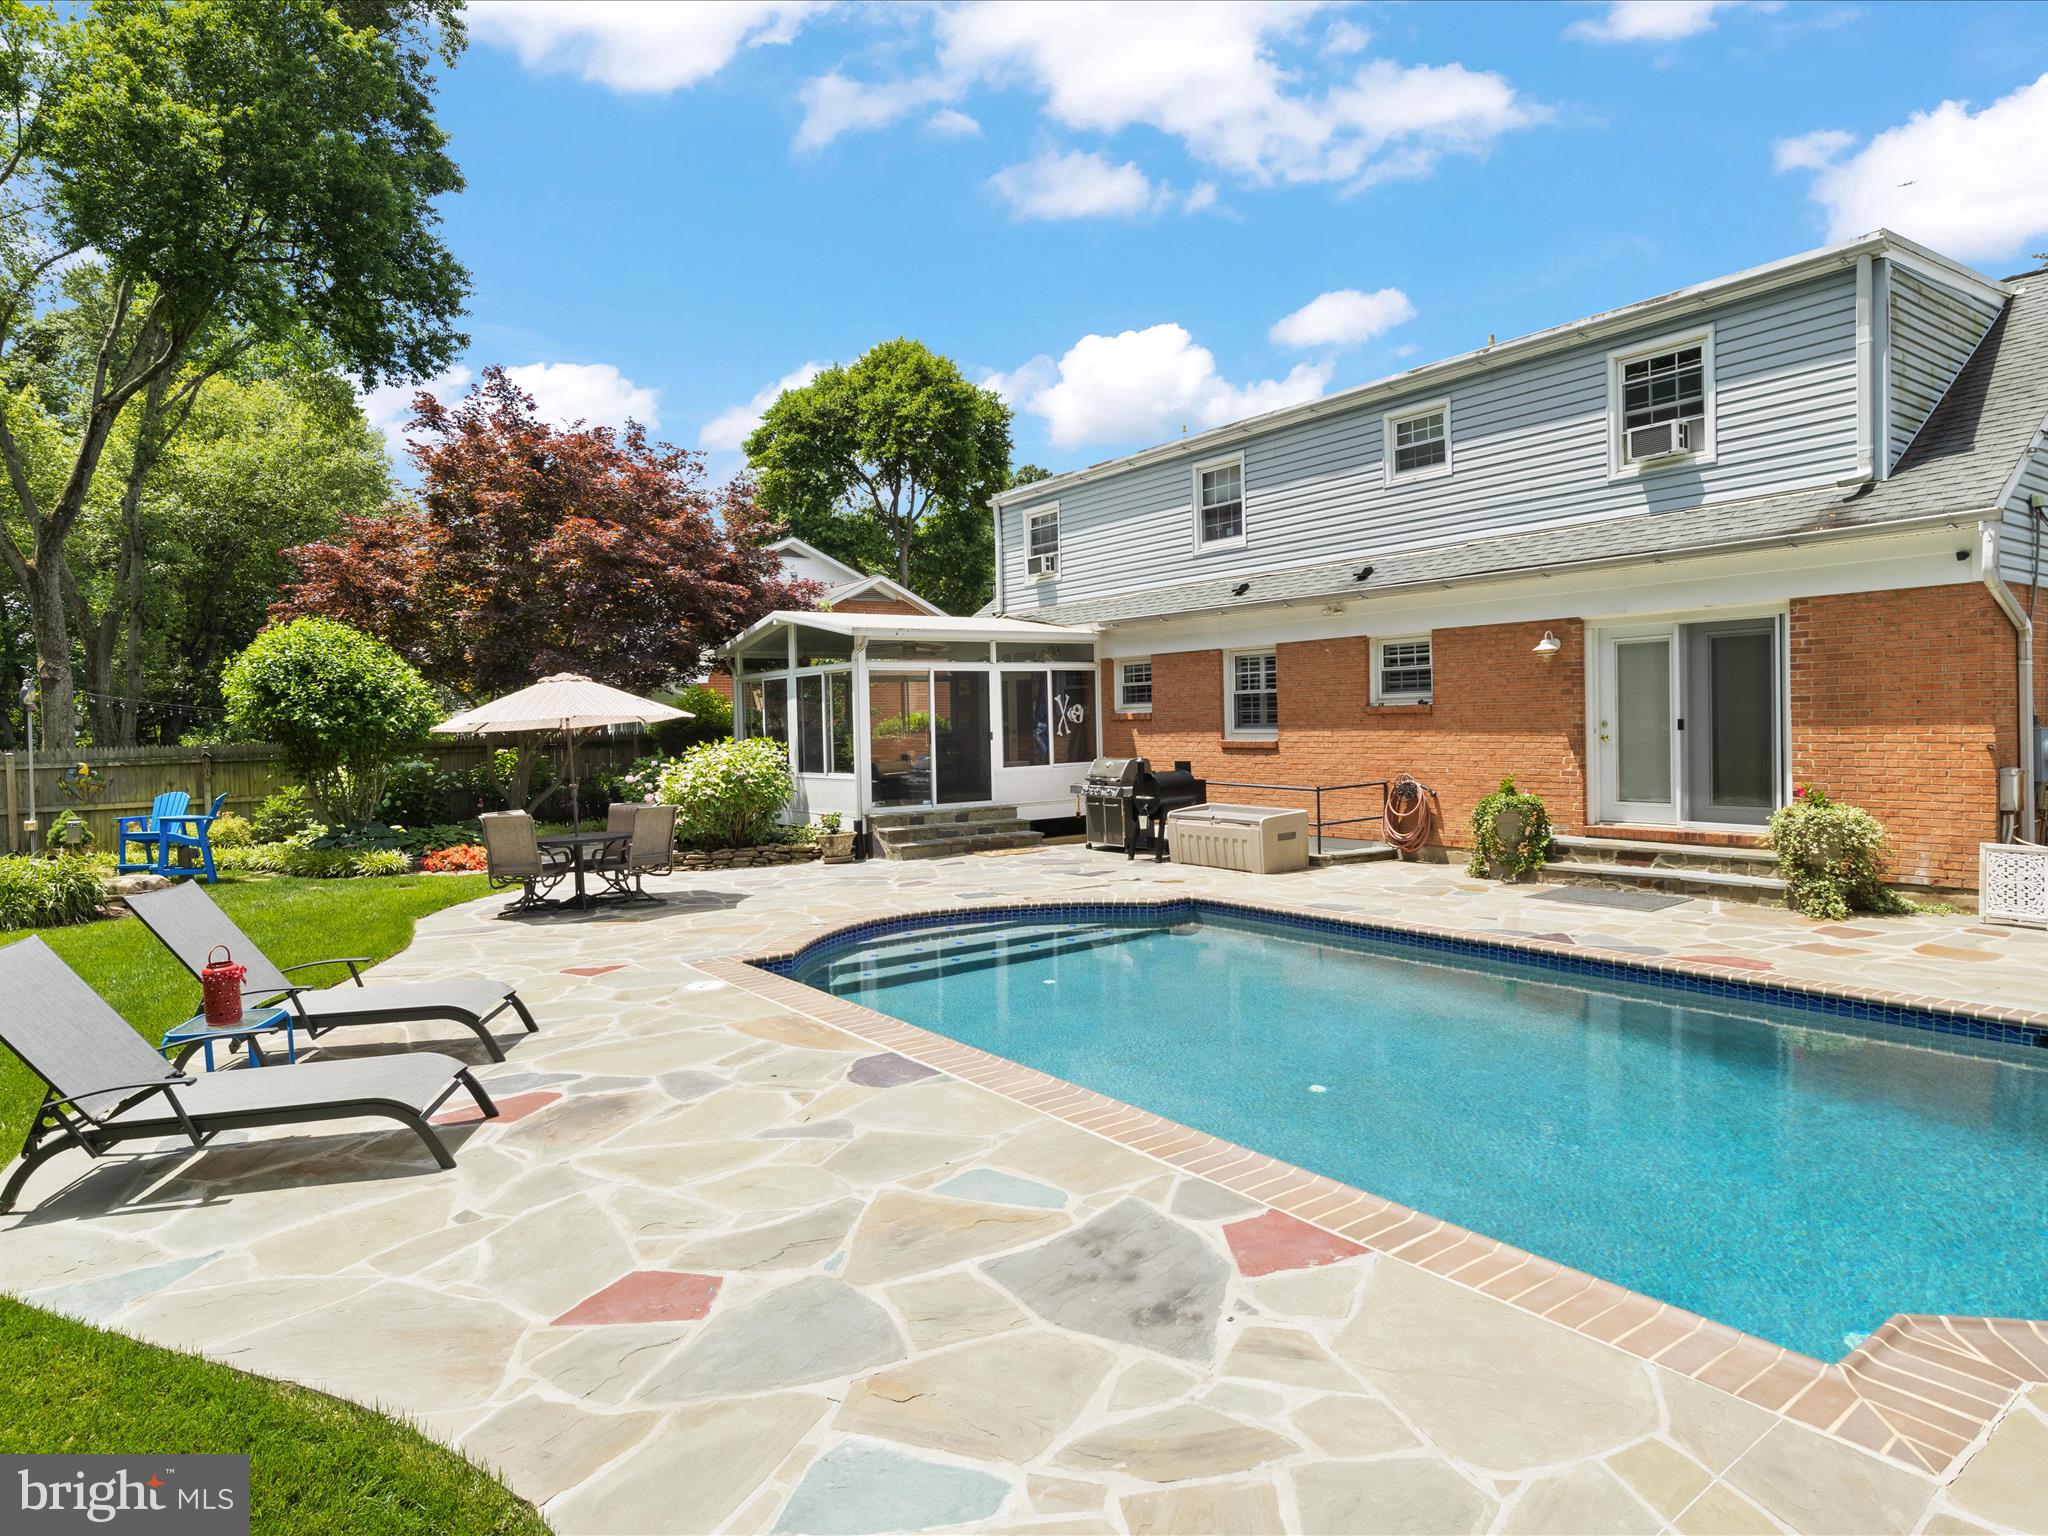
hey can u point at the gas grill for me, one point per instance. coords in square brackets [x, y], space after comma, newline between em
[1126, 803]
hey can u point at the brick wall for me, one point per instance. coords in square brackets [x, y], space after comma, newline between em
[1902, 703]
[1499, 709]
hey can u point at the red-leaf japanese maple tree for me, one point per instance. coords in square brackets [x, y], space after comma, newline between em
[538, 549]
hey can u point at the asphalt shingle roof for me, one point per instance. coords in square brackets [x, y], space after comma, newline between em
[1957, 465]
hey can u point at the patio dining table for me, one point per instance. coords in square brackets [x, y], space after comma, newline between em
[584, 850]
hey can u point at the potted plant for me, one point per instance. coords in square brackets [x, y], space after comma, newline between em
[834, 846]
[1510, 835]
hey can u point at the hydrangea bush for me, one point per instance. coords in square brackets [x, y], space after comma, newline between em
[1832, 858]
[728, 794]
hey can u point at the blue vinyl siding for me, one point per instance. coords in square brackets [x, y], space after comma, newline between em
[1530, 444]
[1932, 329]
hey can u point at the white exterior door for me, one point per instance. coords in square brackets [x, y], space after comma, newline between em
[1637, 723]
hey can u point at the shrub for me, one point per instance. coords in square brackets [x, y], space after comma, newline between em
[343, 706]
[418, 794]
[461, 856]
[45, 893]
[711, 721]
[230, 831]
[281, 815]
[728, 793]
[1832, 858]
[68, 834]
[492, 779]
[1512, 860]
[310, 863]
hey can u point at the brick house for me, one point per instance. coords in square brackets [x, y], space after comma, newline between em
[1661, 565]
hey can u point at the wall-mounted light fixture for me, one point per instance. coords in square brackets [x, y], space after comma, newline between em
[1549, 645]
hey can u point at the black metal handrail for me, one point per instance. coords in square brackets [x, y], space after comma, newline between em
[1318, 791]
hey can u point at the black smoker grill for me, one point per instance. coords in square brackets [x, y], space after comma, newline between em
[1126, 803]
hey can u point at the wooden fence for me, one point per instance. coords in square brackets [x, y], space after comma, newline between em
[248, 774]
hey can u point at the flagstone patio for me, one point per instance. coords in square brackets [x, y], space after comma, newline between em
[722, 1266]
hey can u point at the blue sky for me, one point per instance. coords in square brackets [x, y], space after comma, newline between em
[1135, 220]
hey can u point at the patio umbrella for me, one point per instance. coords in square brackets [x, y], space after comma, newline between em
[567, 702]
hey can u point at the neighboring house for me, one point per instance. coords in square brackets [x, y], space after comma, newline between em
[1660, 565]
[846, 591]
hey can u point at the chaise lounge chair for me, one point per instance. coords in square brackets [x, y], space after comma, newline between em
[186, 921]
[105, 1085]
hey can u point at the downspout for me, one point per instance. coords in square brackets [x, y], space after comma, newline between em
[2023, 669]
[995, 508]
[1866, 380]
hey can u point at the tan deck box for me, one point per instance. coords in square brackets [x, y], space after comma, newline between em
[1258, 839]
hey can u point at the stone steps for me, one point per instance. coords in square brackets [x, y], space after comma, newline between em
[944, 834]
[1679, 869]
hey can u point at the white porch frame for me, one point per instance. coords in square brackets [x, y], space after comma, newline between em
[1038, 790]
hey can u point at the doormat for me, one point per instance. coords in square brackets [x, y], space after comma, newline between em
[1600, 896]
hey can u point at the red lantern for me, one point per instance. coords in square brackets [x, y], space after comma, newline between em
[220, 985]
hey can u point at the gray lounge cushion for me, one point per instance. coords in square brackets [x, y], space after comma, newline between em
[346, 1003]
[416, 1081]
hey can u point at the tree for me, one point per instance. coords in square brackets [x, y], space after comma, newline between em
[537, 549]
[343, 706]
[888, 464]
[246, 171]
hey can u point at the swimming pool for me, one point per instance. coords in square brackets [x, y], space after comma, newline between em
[1799, 1176]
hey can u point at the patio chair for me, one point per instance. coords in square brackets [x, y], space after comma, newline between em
[188, 924]
[148, 831]
[514, 856]
[195, 833]
[104, 1085]
[650, 849]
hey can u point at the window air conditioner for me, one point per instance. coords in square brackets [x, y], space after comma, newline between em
[1661, 440]
[1042, 565]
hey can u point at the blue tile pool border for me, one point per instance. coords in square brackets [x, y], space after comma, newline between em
[1693, 978]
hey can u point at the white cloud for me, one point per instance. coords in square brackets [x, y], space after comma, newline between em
[1649, 21]
[1144, 384]
[1075, 185]
[728, 431]
[595, 394]
[1970, 184]
[1343, 318]
[633, 46]
[1810, 151]
[948, 123]
[1346, 37]
[834, 104]
[1213, 78]
[389, 406]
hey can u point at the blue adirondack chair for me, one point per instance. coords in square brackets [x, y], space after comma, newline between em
[194, 832]
[148, 830]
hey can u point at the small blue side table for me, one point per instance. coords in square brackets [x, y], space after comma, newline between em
[195, 1034]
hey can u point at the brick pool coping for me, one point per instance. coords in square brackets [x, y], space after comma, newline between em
[1921, 1390]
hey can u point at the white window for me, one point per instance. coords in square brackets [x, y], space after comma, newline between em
[1042, 542]
[1401, 670]
[1219, 504]
[1661, 403]
[1418, 442]
[1251, 694]
[1134, 687]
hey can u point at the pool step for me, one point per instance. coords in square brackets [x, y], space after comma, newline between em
[967, 949]
[1678, 869]
[947, 834]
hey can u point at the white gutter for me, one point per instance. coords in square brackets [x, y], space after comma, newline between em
[1866, 390]
[995, 507]
[2023, 669]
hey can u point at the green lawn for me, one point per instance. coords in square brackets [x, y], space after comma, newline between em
[318, 1465]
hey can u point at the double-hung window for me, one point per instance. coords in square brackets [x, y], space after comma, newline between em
[1418, 442]
[1219, 504]
[1251, 687]
[1662, 402]
[1042, 542]
[1401, 670]
[1134, 687]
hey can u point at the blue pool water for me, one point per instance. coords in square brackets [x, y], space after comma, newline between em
[1797, 1182]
